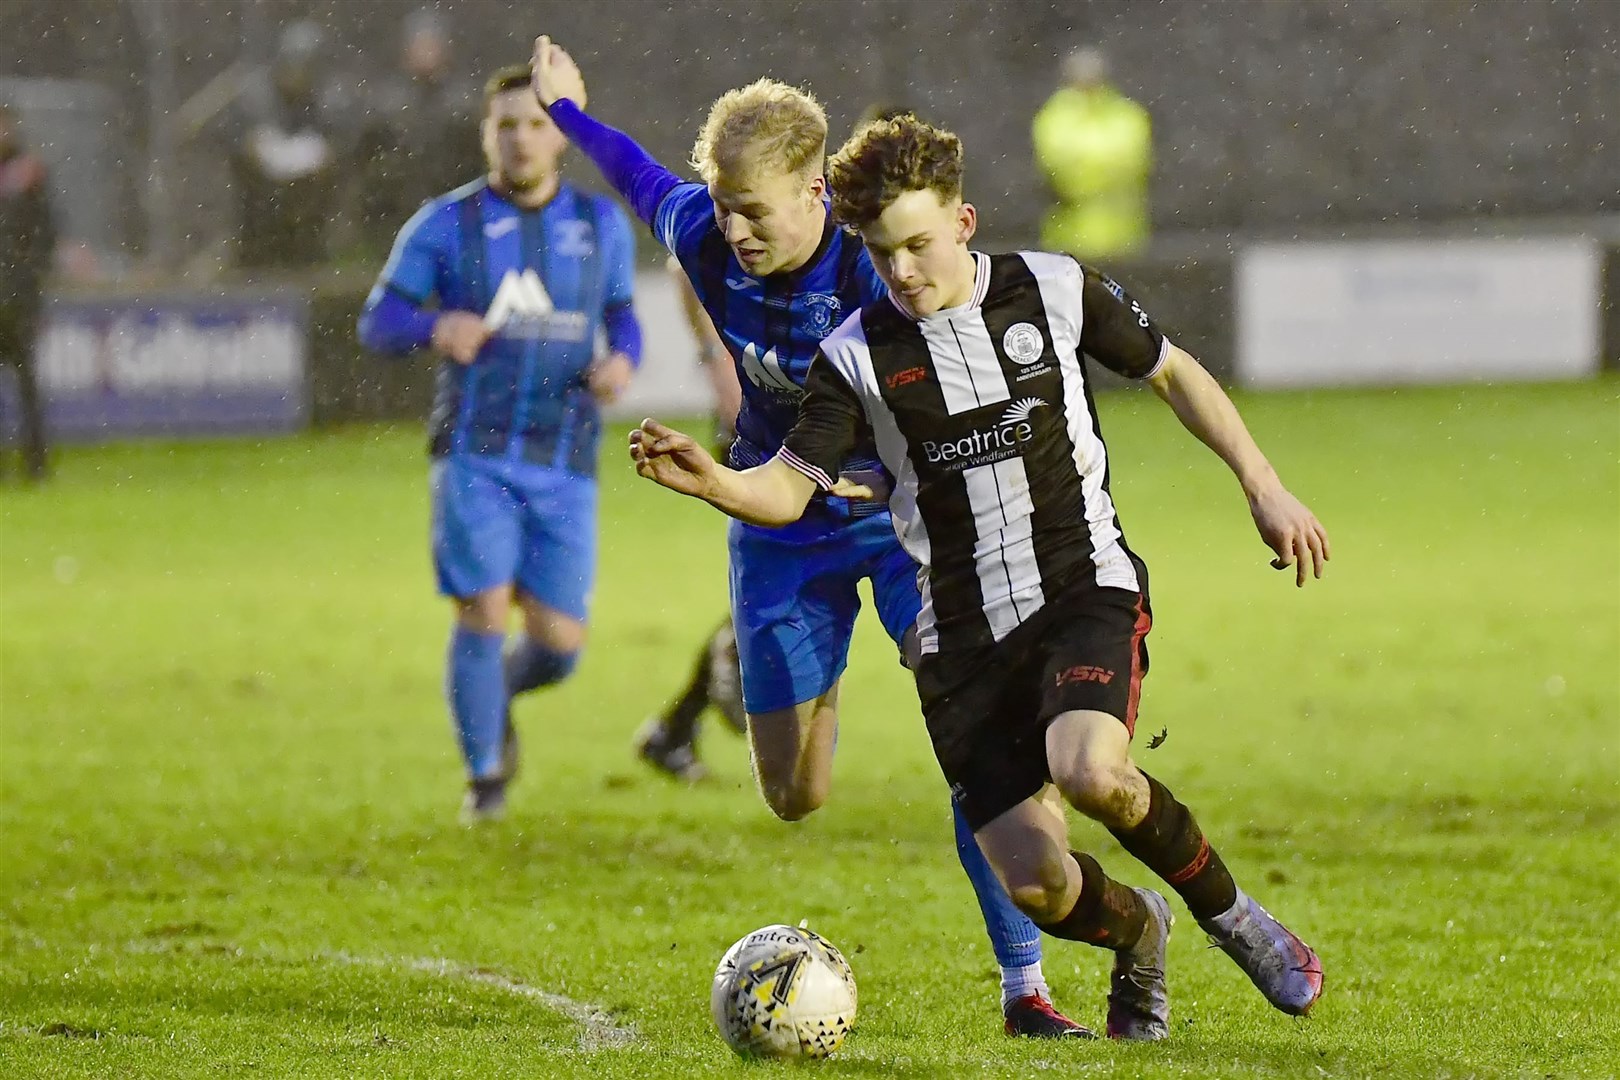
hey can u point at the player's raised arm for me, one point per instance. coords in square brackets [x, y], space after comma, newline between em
[634, 173]
[772, 494]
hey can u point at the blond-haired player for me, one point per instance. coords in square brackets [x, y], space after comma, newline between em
[776, 275]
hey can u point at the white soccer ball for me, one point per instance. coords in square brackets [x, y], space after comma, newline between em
[783, 992]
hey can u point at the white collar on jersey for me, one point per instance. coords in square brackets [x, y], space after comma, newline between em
[981, 285]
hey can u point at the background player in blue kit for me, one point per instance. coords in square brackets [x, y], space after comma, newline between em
[776, 277]
[526, 270]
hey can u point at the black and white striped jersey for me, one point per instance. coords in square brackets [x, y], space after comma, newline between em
[984, 416]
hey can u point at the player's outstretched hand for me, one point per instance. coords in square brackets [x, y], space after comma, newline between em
[460, 335]
[674, 460]
[1290, 530]
[609, 377]
[554, 74]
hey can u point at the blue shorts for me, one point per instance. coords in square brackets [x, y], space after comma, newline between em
[793, 601]
[497, 521]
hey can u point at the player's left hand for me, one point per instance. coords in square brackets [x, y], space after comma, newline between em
[673, 459]
[868, 484]
[1290, 530]
[609, 377]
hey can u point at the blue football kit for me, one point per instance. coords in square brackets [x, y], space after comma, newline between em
[793, 589]
[514, 435]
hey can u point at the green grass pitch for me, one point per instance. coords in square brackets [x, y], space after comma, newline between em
[228, 843]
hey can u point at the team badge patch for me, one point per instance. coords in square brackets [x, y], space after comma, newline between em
[1022, 343]
[822, 310]
[573, 239]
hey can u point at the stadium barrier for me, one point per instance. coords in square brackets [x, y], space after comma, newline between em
[1386, 312]
[251, 360]
[113, 365]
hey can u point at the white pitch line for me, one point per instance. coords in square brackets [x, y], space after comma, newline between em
[598, 1029]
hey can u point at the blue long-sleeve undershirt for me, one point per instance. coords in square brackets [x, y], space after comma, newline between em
[633, 172]
[391, 323]
[623, 331]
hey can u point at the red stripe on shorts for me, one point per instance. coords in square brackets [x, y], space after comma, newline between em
[1144, 623]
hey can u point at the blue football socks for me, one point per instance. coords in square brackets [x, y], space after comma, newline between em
[476, 689]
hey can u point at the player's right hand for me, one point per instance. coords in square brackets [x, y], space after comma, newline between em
[672, 459]
[554, 74]
[460, 335]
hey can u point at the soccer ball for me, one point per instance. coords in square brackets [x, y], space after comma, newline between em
[783, 992]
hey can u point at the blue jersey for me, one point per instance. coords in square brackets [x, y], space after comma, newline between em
[771, 326]
[547, 281]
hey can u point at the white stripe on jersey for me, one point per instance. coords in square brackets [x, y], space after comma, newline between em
[1004, 556]
[854, 362]
[1061, 283]
[965, 360]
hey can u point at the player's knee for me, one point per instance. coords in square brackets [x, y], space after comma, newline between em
[1098, 787]
[485, 612]
[792, 799]
[1038, 888]
[560, 635]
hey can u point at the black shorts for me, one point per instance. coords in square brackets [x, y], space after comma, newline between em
[988, 710]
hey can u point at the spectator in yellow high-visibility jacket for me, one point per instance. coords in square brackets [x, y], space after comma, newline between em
[1094, 147]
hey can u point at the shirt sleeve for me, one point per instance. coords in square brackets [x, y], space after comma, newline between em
[389, 323]
[832, 423]
[395, 318]
[685, 215]
[1116, 332]
[635, 174]
[623, 331]
[620, 250]
[412, 269]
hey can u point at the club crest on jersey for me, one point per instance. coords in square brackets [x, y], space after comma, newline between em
[821, 310]
[573, 239]
[522, 308]
[1023, 343]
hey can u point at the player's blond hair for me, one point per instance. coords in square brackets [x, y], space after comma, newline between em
[766, 123]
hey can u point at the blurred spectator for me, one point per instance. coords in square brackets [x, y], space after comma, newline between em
[287, 153]
[27, 237]
[1094, 147]
[421, 135]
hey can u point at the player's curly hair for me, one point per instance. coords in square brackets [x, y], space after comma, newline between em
[885, 159]
[765, 122]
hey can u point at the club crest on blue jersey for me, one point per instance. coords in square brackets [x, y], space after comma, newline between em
[821, 312]
[573, 239]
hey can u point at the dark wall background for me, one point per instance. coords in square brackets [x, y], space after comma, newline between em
[1271, 117]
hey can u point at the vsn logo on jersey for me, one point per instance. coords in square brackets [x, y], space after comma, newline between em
[985, 446]
[523, 309]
